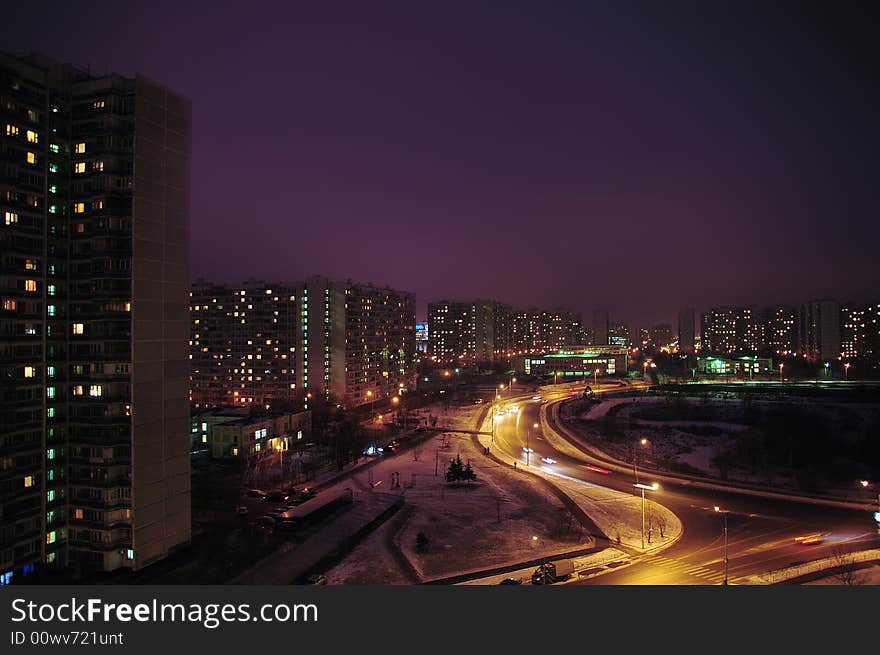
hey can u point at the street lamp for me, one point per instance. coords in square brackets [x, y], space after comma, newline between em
[726, 561]
[644, 488]
[644, 442]
[528, 443]
[780, 371]
[827, 369]
[372, 413]
[846, 371]
[596, 378]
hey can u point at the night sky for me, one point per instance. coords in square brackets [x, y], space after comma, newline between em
[551, 154]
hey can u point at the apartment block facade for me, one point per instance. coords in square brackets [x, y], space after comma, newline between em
[282, 345]
[94, 195]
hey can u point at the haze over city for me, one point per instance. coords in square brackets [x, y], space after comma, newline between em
[458, 153]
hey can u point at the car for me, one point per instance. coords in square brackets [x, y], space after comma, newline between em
[598, 469]
[548, 460]
[499, 413]
[317, 579]
[510, 581]
[478, 401]
[255, 493]
[536, 398]
[276, 497]
[241, 510]
[812, 539]
[527, 450]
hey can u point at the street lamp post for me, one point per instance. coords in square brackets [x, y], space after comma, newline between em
[726, 560]
[846, 371]
[780, 371]
[644, 488]
[596, 378]
[528, 444]
[372, 412]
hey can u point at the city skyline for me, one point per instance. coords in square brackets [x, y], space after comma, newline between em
[386, 135]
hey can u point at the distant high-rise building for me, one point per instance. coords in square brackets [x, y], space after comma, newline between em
[527, 332]
[727, 330]
[503, 330]
[819, 330]
[852, 332]
[262, 343]
[462, 332]
[94, 419]
[661, 335]
[600, 327]
[686, 329]
[782, 330]
[872, 336]
[618, 335]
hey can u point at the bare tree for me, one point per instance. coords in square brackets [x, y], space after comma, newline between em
[845, 568]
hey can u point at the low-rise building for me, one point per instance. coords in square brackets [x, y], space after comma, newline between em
[230, 433]
[722, 366]
[575, 362]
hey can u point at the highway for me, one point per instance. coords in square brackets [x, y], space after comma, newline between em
[761, 531]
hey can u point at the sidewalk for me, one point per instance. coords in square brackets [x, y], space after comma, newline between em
[806, 572]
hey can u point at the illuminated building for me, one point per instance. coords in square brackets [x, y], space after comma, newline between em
[575, 362]
[94, 236]
[819, 330]
[283, 345]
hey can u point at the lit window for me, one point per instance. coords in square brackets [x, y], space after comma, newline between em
[79, 207]
[32, 137]
[11, 130]
[30, 285]
[98, 204]
[50, 310]
[50, 392]
[8, 304]
[50, 371]
[50, 289]
[50, 558]
[79, 167]
[53, 188]
[78, 328]
[50, 538]
[129, 553]
[28, 481]
[29, 371]
[50, 495]
[95, 390]
[98, 104]
[53, 168]
[31, 158]
[54, 148]
[11, 217]
[50, 454]
[79, 148]
[98, 166]
[78, 390]
[50, 412]
[78, 513]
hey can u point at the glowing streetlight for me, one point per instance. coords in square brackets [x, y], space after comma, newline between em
[726, 561]
[780, 371]
[643, 488]
[528, 439]
[372, 413]
[846, 371]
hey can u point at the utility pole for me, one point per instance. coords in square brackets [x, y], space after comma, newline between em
[726, 560]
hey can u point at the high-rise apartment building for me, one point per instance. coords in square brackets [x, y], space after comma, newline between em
[781, 330]
[462, 332]
[282, 344]
[819, 330]
[852, 332]
[600, 327]
[94, 419]
[726, 330]
[686, 329]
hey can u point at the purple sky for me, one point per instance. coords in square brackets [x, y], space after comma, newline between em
[546, 155]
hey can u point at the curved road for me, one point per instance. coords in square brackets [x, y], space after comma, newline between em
[761, 531]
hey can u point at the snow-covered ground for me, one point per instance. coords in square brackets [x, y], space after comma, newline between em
[583, 566]
[469, 526]
[781, 575]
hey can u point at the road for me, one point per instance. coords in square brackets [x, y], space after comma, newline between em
[761, 531]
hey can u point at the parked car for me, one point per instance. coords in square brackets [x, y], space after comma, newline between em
[255, 493]
[510, 581]
[317, 579]
[276, 497]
